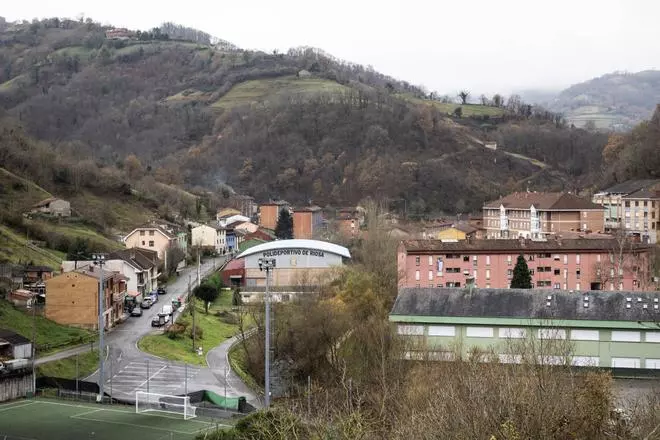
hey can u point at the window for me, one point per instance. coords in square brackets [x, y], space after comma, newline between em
[442, 330]
[453, 270]
[151, 243]
[479, 332]
[636, 202]
[143, 242]
[557, 286]
[577, 259]
[598, 258]
[417, 261]
[531, 271]
[430, 275]
[652, 364]
[626, 336]
[466, 258]
[585, 335]
[431, 286]
[509, 273]
[544, 255]
[585, 361]
[543, 284]
[577, 273]
[645, 203]
[430, 260]
[557, 271]
[627, 204]
[410, 330]
[577, 286]
[512, 332]
[141, 234]
[508, 260]
[487, 285]
[416, 275]
[487, 260]
[487, 274]
[551, 333]
[454, 284]
[618, 362]
[565, 259]
[652, 336]
[474, 260]
[565, 274]
[151, 233]
[556, 257]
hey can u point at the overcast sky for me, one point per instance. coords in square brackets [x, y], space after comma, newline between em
[482, 45]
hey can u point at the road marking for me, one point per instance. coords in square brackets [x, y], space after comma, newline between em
[7, 408]
[149, 378]
[88, 412]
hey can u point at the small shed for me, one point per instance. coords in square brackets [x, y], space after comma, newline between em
[22, 297]
[14, 346]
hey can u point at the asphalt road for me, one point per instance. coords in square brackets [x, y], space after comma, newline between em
[128, 369]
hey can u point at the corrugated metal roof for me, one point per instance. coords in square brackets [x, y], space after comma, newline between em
[13, 337]
[298, 244]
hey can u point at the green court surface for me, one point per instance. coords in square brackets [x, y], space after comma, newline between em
[44, 419]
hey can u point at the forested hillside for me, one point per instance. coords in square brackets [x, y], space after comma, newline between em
[175, 106]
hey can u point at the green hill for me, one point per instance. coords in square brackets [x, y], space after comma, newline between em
[176, 107]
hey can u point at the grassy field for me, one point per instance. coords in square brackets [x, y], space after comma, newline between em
[259, 90]
[13, 248]
[216, 328]
[88, 363]
[50, 335]
[45, 419]
[468, 109]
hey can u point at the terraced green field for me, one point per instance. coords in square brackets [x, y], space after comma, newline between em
[261, 90]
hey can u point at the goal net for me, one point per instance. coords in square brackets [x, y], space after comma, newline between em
[152, 402]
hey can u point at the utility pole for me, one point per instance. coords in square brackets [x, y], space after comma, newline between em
[199, 267]
[191, 303]
[267, 265]
[34, 343]
[99, 260]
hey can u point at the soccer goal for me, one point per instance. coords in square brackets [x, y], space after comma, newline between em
[152, 402]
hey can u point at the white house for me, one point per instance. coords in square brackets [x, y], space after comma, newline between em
[210, 236]
[233, 219]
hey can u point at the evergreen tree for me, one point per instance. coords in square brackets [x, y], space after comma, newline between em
[284, 227]
[522, 278]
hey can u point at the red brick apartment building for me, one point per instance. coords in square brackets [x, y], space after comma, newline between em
[539, 214]
[270, 212]
[567, 264]
[307, 222]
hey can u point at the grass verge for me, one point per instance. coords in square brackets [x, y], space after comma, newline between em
[50, 336]
[88, 363]
[216, 327]
[237, 363]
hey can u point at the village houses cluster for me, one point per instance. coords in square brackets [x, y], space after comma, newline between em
[573, 246]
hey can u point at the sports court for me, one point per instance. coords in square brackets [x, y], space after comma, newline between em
[46, 419]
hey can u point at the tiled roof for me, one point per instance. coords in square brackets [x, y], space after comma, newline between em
[464, 227]
[644, 193]
[150, 226]
[517, 245]
[527, 304]
[543, 201]
[134, 256]
[94, 272]
[630, 186]
[44, 202]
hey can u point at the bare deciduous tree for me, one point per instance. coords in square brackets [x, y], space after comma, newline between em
[463, 95]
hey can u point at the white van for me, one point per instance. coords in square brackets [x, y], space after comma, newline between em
[166, 310]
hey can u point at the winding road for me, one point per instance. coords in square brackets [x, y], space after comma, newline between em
[127, 369]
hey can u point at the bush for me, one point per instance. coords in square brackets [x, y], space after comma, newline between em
[175, 331]
[199, 333]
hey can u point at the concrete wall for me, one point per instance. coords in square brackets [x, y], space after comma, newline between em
[15, 387]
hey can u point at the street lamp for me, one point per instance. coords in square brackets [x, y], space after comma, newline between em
[99, 260]
[267, 264]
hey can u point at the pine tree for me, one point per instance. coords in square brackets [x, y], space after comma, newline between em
[284, 227]
[522, 277]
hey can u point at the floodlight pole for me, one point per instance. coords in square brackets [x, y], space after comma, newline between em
[99, 260]
[267, 265]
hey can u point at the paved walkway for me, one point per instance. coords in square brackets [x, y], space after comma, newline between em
[84, 348]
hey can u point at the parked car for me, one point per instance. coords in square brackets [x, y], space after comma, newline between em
[156, 321]
[161, 291]
[154, 298]
[136, 311]
[146, 303]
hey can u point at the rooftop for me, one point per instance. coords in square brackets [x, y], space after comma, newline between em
[518, 245]
[629, 186]
[134, 256]
[12, 337]
[528, 304]
[644, 193]
[297, 244]
[308, 209]
[44, 202]
[276, 203]
[543, 201]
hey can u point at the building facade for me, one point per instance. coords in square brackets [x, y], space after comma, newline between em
[567, 264]
[73, 298]
[270, 212]
[595, 328]
[154, 238]
[53, 206]
[307, 222]
[210, 237]
[538, 215]
[299, 264]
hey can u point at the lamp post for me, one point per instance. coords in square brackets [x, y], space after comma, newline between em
[267, 264]
[99, 260]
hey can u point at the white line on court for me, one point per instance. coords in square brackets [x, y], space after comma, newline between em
[16, 406]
